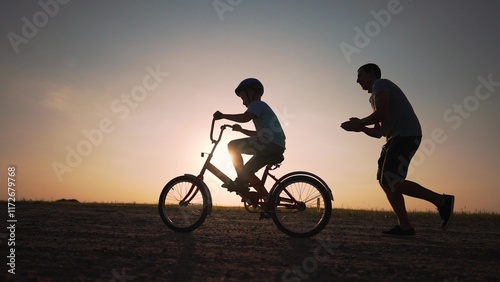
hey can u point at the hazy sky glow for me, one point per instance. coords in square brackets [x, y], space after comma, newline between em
[107, 101]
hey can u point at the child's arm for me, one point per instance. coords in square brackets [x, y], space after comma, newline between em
[244, 117]
[247, 132]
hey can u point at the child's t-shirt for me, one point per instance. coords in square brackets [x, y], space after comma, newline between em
[266, 123]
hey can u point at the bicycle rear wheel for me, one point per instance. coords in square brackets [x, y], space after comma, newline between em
[184, 203]
[302, 206]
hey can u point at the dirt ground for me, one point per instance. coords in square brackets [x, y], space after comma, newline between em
[91, 242]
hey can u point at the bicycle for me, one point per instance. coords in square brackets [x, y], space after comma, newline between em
[300, 203]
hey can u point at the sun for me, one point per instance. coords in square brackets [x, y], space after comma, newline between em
[222, 160]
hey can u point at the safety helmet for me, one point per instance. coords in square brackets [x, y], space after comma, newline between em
[250, 83]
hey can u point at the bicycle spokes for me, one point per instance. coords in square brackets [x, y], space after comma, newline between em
[302, 206]
[184, 203]
[307, 197]
[190, 195]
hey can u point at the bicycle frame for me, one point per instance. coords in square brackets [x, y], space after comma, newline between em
[214, 170]
[207, 166]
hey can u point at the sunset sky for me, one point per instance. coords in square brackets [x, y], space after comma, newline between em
[106, 101]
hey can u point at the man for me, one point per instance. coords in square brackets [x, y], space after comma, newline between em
[393, 117]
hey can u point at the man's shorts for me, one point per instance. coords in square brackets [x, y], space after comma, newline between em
[395, 159]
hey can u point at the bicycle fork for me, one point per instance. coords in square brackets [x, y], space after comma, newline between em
[193, 191]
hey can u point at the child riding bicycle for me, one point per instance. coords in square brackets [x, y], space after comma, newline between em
[267, 141]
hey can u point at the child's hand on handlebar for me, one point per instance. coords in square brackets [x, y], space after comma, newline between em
[236, 127]
[218, 115]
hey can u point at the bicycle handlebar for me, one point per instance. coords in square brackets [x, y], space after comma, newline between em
[221, 130]
[212, 131]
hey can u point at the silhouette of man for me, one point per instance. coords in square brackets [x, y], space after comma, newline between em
[393, 117]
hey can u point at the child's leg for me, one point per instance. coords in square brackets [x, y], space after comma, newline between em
[257, 185]
[236, 148]
[250, 168]
[258, 161]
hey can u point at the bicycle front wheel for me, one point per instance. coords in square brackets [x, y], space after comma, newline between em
[302, 206]
[184, 203]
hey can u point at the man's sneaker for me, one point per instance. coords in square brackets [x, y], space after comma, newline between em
[397, 231]
[446, 211]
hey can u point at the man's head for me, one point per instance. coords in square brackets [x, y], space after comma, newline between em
[249, 89]
[367, 74]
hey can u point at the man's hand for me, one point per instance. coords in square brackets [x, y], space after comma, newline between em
[353, 124]
[218, 115]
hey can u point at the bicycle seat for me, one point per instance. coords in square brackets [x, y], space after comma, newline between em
[274, 159]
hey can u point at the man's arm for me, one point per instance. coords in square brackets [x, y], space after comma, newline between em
[353, 124]
[381, 110]
[379, 114]
[372, 131]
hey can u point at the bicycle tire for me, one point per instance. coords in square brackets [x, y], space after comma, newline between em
[309, 214]
[179, 217]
